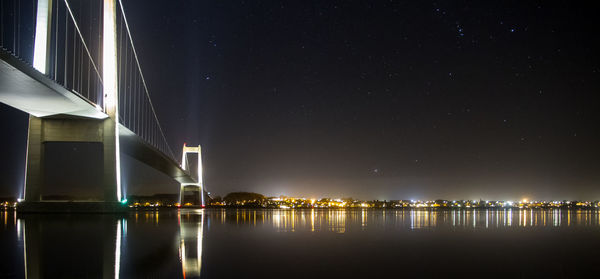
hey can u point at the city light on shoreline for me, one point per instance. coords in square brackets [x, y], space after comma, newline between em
[294, 202]
[253, 200]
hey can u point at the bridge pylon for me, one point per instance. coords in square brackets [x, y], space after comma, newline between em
[65, 128]
[195, 187]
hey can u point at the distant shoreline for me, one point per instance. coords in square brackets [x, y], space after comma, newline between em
[357, 208]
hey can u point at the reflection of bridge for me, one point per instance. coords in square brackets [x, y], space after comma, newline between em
[191, 227]
[107, 251]
[85, 85]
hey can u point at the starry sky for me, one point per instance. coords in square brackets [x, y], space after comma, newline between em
[370, 99]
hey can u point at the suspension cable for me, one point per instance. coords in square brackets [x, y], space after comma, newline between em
[82, 40]
[142, 78]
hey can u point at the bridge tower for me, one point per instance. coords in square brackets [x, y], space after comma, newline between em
[64, 128]
[196, 187]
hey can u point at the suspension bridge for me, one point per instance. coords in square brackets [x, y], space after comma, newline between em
[73, 67]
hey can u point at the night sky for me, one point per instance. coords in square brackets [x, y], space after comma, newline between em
[369, 99]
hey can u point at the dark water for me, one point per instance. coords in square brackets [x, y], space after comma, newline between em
[303, 244]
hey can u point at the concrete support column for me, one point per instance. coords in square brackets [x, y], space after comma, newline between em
[34, 171]
[190, 188]
[70, 130]
[110, 157]
[181, 193]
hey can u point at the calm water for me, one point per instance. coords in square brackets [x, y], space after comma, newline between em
[302, 244]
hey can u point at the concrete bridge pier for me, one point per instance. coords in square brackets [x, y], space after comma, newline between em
[196, 189]
[71, 129]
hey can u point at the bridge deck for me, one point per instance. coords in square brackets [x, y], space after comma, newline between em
[26, 89]
[136, 147]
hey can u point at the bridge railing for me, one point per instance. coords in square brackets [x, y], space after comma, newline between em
[17, 27]
[74, 42]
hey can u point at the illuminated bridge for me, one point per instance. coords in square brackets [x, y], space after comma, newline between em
[72, 66]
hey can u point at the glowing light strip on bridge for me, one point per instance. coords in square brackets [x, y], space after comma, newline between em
[83, 41]
[41, 36]
[111, 100]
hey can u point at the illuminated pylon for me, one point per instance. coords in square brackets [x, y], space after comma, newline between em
[42, 36]
[105, 131]
[111, 96]
[199, 187]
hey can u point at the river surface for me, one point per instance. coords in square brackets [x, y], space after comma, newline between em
[247, 243]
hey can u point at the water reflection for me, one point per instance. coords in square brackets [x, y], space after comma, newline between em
[45, 238]
[343, 220]
[191, 227]
[118, 249]
[170, 244]
[287, 220]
